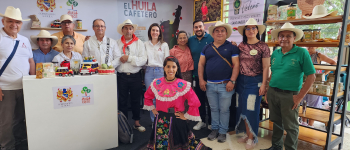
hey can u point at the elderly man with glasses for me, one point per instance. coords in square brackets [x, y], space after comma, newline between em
[67, 26]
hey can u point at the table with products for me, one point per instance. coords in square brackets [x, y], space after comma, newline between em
[71, 113]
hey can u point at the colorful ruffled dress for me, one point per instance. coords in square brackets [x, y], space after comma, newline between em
[170, 132]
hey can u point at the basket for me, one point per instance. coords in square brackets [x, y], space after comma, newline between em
[106, 71]
[306, 6]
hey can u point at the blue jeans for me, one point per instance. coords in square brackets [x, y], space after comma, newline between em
[151, 74]
[220, 102]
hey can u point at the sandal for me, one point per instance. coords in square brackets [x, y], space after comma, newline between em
[140, 128]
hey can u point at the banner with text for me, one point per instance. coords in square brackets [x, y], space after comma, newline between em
[239, 13]
[72, 96]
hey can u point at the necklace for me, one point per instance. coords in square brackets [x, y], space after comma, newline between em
[170, 80]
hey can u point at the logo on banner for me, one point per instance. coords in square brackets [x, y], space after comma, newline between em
[236, 5]
[140, 9]
[64, 95]
[46, 5]
[85, 99]
[73, 13]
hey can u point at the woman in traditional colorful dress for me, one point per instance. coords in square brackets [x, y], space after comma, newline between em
[170, 129]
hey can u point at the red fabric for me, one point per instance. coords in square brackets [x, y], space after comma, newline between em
[204, 10]
[251, 65]
[178, 104]
[134, 38]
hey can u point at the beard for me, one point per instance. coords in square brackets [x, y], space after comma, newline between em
[201, 35]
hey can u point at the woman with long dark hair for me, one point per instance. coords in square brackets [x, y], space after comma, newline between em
[170, 128]
[254, 58]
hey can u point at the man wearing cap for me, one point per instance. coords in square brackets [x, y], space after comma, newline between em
[103, 48]
[221, 62]
[16, 61]
[45, 53]
[285, 92]
[133, 57]
[67, 26]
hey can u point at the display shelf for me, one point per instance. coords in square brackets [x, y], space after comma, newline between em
[338, 95]
[325, 20]
[318, 115]
[56, 29]
[309, 44]
[305, 134]
[328, 68]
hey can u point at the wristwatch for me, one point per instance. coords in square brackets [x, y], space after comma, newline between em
[233, 82]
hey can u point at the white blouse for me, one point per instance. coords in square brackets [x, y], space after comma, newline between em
[61, 57]
[137, 57]
[156, 53]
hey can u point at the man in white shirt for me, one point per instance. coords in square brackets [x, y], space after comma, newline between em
[103, 48]
[129, 76]
[12, 116]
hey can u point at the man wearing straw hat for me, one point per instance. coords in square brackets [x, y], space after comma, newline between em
[133, 57]
[221, 62]
[16, 61]
[67, 26]
[285, 92]
[45, 53]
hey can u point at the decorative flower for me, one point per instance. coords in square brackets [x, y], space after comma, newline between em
[165, 125]
[159, 146]
[180, 84]
[180, 18]
[173, 13]
[159, 137]
[160, 120]
[166, 92]
[158, 82]
[160, 131]
[166, 136]
[165, 143]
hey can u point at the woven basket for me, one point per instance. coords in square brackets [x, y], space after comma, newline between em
[306, 6]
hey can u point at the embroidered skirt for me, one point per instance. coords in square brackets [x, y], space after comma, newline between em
[171, 133]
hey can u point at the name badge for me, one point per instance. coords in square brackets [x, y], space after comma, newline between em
[253, 52]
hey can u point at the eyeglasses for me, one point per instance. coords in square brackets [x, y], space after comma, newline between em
[99, 26]
[66, 23]
[287, 37]
[253, 29]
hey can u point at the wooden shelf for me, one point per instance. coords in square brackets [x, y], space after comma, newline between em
[339, 94]
[318, 115]
[305, 134]
[310, 44]
[325, 20]
[56, 29]
[328, 68]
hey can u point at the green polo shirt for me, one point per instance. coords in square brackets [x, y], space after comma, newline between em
[288, 69]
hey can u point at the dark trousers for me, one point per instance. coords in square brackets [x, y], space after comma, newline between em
[130, 86]
[202, 96]
[12, 116]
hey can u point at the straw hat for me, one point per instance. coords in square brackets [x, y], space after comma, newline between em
[13, 13]
[221, 24]
[288, 27]
[252, 21]
[66, 17]
[126, 22]
[44, 34]
[320, 11]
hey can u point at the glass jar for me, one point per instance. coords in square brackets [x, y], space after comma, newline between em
[55, 65]
[347, 38]
[79, 24]
[316, 34]
[308, 35]
[291, 12]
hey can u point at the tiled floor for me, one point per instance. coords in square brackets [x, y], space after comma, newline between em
[265, 141]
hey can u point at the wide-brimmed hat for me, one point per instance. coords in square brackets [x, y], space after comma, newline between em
[288, 27]
[126, 22]
[252, 22]
[221, 24]
[320, 11]
[66, 17]
[44, 34]
[13, 13]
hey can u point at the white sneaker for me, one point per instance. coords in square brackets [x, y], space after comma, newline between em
[209, 127]
[199, 126]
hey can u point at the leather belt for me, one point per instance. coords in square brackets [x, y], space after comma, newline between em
[222, 82]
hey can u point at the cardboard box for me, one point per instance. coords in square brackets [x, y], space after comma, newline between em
[39, 70]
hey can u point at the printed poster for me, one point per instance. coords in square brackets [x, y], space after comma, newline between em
[239, 13]
[73, 96]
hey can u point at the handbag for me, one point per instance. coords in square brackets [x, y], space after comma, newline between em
[9, 58]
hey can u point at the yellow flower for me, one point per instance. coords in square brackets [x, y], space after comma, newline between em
[160, 131]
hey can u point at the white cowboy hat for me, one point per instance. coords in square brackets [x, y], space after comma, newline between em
[288, 27]
[126, 22]
[221, 24]
[252, 22]
[320, 11]
[13, 13]
[44, 34]
[66, 17]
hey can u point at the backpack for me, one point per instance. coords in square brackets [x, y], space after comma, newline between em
[125, 132]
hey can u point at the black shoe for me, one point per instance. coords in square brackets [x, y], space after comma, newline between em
[274, 148]
[213, 135]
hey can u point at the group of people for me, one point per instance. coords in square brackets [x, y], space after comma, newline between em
[202, 71]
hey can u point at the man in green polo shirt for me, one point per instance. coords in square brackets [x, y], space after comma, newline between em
[288, 66]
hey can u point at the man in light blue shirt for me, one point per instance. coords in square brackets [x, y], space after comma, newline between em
[45, 53]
